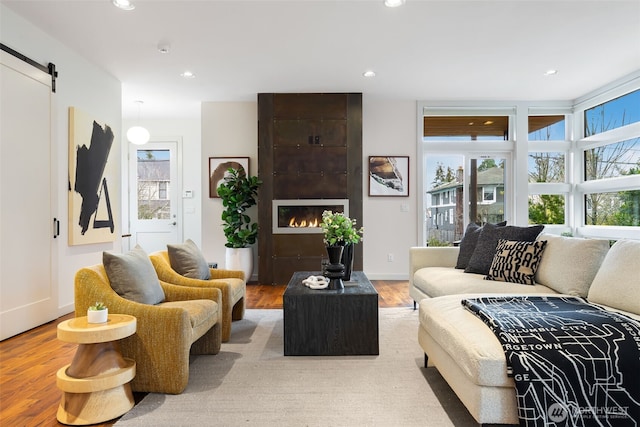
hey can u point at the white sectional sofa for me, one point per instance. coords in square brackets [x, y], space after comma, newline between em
[467, 353]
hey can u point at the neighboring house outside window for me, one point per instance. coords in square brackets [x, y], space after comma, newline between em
[153, 189]
[491, 209]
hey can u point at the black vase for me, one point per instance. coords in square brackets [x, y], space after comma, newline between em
[335, 254]
[335, 269]
[347, 260]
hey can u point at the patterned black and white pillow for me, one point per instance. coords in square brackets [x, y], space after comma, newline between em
[516, 261]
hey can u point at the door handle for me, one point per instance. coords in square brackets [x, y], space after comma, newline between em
[174, 223]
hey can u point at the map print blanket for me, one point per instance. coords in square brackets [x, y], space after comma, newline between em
[574, 363]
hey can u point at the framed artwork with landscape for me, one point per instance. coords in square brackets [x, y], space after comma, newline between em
[389, 176]
[218, 167]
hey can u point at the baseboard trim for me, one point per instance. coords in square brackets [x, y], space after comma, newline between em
[385, 276]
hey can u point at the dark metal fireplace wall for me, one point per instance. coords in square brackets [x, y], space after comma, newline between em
[309, 151]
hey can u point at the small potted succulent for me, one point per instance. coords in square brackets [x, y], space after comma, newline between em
[97, 313]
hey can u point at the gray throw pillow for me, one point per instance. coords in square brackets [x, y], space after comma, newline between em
[469, 242]
[188, 261]
[482, 257]
[133, 277]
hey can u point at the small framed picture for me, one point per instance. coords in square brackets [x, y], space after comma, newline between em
[218, 167]
[389, 176]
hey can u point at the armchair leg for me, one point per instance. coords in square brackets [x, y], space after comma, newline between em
[238, 310]
[210, 342]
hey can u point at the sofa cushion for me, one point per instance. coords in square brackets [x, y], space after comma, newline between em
[515, 261]
[440, 281]
[466, 338]
[469, 242]
[132, 276]
[488, 240]
[569, 264]
[187, 260]
[617, 283]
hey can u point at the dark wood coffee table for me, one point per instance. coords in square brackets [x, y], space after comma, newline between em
[324, 322]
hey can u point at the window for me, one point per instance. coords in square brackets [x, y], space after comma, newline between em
[488, 194]
[578, 160]
[484, 186]
[620, 208]
[546, 167]
[549, 148]
[466, 128]
[488, 177]
[153, 184]
[547, 128]
[444, 174]
[162, 190]
[547, 209]
[610, 152]
[612, 160]
[612, 114]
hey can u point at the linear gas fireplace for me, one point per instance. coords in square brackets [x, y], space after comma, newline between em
[303, 216]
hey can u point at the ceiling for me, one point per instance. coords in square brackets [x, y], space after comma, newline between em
[425, 50]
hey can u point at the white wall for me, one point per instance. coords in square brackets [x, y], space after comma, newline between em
[80, 84]
[229, 129]
[389, 128]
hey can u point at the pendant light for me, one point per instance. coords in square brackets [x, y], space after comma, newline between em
[137, 134]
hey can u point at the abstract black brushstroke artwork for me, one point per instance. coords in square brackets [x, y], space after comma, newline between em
[92, 221]
[90, 164]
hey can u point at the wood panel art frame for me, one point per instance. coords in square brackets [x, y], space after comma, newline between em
[389, 176]
[218, 166]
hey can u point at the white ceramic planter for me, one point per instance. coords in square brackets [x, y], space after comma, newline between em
[240, 259]
[97, 316]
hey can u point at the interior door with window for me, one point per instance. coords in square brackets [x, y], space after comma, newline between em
[154, 200]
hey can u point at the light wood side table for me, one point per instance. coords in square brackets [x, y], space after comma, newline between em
[96, 384]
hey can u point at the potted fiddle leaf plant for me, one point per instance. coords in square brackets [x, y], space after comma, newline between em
[97, 313]
[239, 192]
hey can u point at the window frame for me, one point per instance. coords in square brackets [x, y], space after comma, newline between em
[615, 184]
[573, 188]
[467, 149]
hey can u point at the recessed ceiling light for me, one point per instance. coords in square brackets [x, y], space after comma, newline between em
[488, 122]
[123, 4]
[369, 73]
[188, 75]
[551, 72]
[393, 3]
[164, 47]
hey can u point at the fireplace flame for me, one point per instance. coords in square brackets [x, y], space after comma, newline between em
[303, 223]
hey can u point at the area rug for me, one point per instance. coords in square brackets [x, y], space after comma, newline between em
[251, 383]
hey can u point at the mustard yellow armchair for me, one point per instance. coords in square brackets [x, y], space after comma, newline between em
[230, 282]
[188, 321]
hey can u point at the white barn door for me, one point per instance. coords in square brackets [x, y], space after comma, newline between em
[28, 294]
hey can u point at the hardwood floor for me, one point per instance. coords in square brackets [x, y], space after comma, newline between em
[29, 361]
